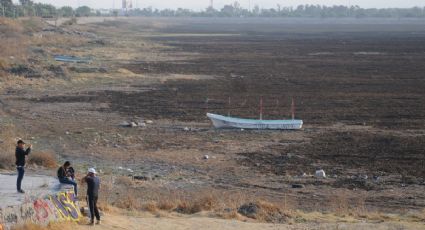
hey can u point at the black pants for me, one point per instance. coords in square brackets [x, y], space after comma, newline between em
[21, 172]
[92, 200]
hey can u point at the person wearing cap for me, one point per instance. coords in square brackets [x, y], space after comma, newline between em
[93, 185]
[20, 154]
[63, 176]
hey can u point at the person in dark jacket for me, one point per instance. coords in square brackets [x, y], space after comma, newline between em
[20, 155]
[63, 176]
[93, 185]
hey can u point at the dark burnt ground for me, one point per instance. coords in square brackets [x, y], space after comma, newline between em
[352, 77]
[339, 153]
[369, 74]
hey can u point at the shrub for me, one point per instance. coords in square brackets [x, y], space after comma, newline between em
[7, 147]
[206, 203]
[45, 159]
[166, 204]
[151, 207]
[264, 211]
[3, 64]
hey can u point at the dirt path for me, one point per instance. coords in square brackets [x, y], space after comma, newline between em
[124, 222]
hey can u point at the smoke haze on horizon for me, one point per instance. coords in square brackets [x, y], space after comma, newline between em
[202, 4]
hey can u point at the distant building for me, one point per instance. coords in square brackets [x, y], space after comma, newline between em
[127, 5]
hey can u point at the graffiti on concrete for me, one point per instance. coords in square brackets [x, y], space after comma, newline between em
[11, 215]
[27, 212]
[66, 206]
[44, 212]
[59, 207]
[1, 220]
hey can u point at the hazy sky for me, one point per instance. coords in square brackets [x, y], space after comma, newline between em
[201, 4]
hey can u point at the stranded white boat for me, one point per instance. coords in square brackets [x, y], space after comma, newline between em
[220, 121]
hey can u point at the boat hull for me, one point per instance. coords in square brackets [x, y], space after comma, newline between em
[222, 122]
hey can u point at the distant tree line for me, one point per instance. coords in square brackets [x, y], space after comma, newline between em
[29, 8]
[309, 11]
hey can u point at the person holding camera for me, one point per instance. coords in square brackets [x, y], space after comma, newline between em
[93, 185]
[20, 154]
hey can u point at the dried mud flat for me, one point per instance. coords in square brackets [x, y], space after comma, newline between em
[358, 86]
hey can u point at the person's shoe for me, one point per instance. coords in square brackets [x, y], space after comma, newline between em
[91, 223]
[98, 222]
[21, 191]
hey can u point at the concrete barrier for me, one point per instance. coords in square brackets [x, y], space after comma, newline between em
[62, 206]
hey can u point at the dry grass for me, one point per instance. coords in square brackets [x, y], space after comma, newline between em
[9, 26]
[32, 25]
[342, 205]
[151, 207]
[125, 181]
[3, 64]
[232, 214]
[7, 146]
[51, 226]
[45, 159]
[191, 206]
[270, 212]
[13, 42]
[128, 201]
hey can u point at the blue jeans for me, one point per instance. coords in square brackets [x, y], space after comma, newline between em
[68, 181]
[21, 172]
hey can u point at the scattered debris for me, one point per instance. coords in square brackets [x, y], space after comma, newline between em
[297, 186]
[143, 178]
[74, 59]
[249, 210]
[26, 71]
[98, 42]
[58, 71]
[320, 173]
[206, 157]
[132, 124]
[125, 124]
[88, 69]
